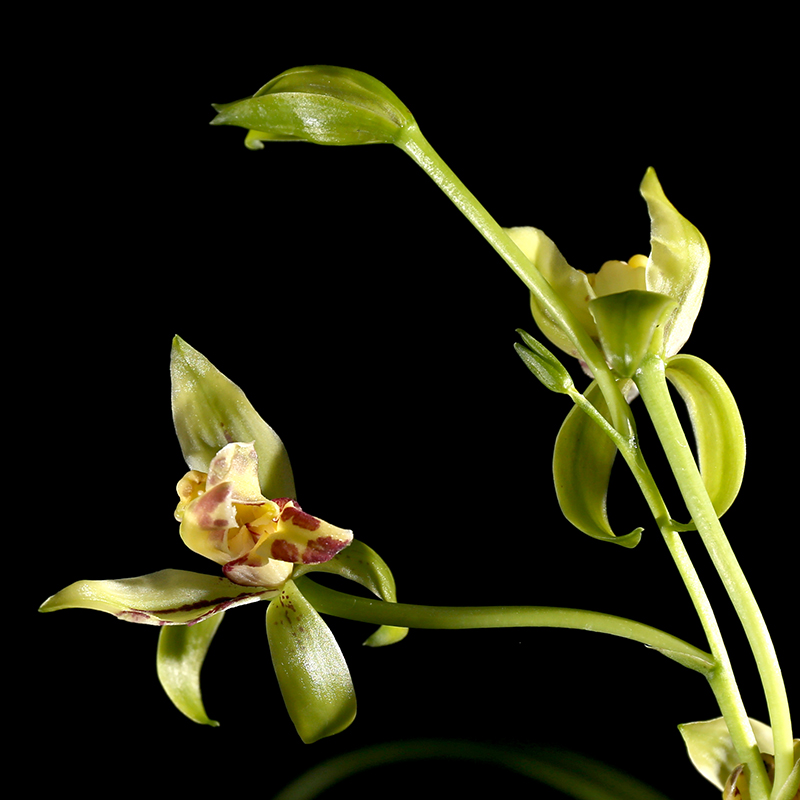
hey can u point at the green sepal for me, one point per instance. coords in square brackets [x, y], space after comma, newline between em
[543, 364]
[181, 652]
[711, 749]
[678, 264]
[167, 597]
[320, 104]
[312, 673]
[582, 461]
[629, 326]
[210, 411]
[717, 426]
[360, 563]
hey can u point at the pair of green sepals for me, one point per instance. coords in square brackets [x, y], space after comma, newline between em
[587, 442]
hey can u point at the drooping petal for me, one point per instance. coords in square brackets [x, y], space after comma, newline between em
[678, 263]
[582, 462]
[312, 673]
[168, 597]
[717, 425]
[181, 652]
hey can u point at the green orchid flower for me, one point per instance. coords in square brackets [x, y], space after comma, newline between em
[628, 308]
[261, 544]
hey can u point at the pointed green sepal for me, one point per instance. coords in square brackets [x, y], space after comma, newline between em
[210, 411]
[543, 364]
[362, 564]
[717, 426]
[312, 673]
[711, 749]
[181, 652]
[168, 597]
[629, 324]
[678, 263]
[320, 104]
[582, 461]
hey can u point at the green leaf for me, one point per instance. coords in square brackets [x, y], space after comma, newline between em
[211, 411]
[181, 652]
[320, 104]
[543, 364]
[360, 563]
[711, 749]
[168, 597]
[582, 461]
[717, 425]
[314, 679]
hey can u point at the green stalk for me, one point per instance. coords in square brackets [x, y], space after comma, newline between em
[378, 612]
[651, 380]
[721, 678]
[413, 143]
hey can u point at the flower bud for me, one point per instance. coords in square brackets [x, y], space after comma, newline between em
[320, 104]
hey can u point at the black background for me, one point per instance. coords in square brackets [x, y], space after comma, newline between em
[373, 328]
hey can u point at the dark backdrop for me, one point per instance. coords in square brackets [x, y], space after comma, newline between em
[373, 329]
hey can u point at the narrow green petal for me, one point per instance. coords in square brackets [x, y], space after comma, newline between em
[543, 364]
[312, 673]
[362, 564]
[582, 461]
[717, 425]
[210, 411]
[181, 652]
[168, 597]
[678, 264]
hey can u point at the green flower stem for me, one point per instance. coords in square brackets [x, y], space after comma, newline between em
[652, 384]
[721, 678]
[378, 612]
[412, 142]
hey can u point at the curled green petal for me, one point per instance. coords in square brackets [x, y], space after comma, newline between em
[582, 461]
[210, 411]
[312, 673]
[678, 263]
[362, 564]
[629, 326]
[168, 597]
[181, 652]
[717, 425]
[320, 104]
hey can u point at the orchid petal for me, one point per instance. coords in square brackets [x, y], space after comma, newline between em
[582, 461]
[181, 652]
[711, 749]
[678, 263]
[168, 597]
[210, 411]
[717, 425]
[312, 673]
[363, 565]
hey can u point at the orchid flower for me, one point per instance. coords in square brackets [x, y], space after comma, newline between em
[625, 304]
[236, 462]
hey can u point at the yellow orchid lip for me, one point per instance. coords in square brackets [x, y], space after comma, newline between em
[257, 541]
